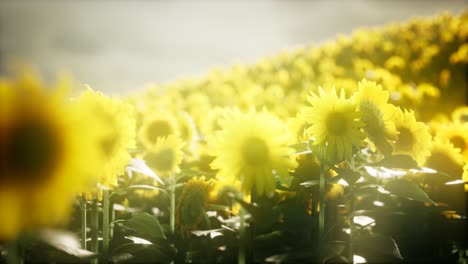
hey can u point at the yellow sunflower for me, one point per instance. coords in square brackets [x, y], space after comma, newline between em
[372, 102]
[251, 147]
[155, 126]
[46, 154]
[414, 138]
[460, 114]
[115, 122]
[165, 156]
[444, 157]
[335, 125]
[457, 134]
[192, 205]
[298, 126]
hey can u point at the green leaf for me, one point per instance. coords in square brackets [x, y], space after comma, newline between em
[335, 249]
[301, 148]
[146, 226]
[140, 253]
[407, 189]
[211, 233]
[378, 243]
[348, 175]
[396, 162]
[64, 241]
[310, 183]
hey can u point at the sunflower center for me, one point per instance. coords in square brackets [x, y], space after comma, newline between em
[405, 140]
[162, 160]
[108, 145]
[336, 124]
[255, 151]
[158, 128]
[32, 149]
[458, 142]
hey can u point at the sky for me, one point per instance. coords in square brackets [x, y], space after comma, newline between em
[118, 46]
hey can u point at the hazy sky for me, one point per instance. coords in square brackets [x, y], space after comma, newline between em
[117, 46]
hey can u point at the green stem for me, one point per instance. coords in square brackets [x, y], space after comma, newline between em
[241, 256]
[105, 221]
[172, 209]
[83, 221]
[95, 230]
[322, 203]
[13, 253]
[351, 224]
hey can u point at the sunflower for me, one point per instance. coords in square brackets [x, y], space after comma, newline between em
[457, 134]
[165, 156]
[251, 147]
[413, 138]
[192, 204]
[372, 102]
[115, 122]
[444, 157]
[155, 126]
[335, 125]
[460, 114]
[46, 154]
[298, 126]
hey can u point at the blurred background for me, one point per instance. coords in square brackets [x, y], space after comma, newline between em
[118, 46]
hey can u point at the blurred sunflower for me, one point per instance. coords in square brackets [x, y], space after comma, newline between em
[335, 125]
[372, 103]
[460, 114]
[192, 205]
[457, 134]
[444, 157]
[298, 126]
[115, 122]
[46, 154]
[413, 138]
[165, 156]
[225, 192]
[156, 126]
[249, 147]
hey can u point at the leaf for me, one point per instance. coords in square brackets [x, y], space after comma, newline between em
[407, 189]
[64, 241]
[380, 244]
[310, 183]
[301, 148]
[139, 166]
[348, 175]
[396, 162]
[146, 226]
[140, 253]
[334, 250]
[212, 233]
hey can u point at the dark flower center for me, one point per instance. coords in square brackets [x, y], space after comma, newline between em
[32, 150]
[255, 151]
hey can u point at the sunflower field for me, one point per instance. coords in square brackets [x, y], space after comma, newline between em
[352, 151]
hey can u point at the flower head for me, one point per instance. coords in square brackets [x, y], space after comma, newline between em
[46, 154]
[115, 122]
[335, 125]
[413, 138]
[165, 156]
[444, 157]
[252, 147]
[192, 204]
[372, 103]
